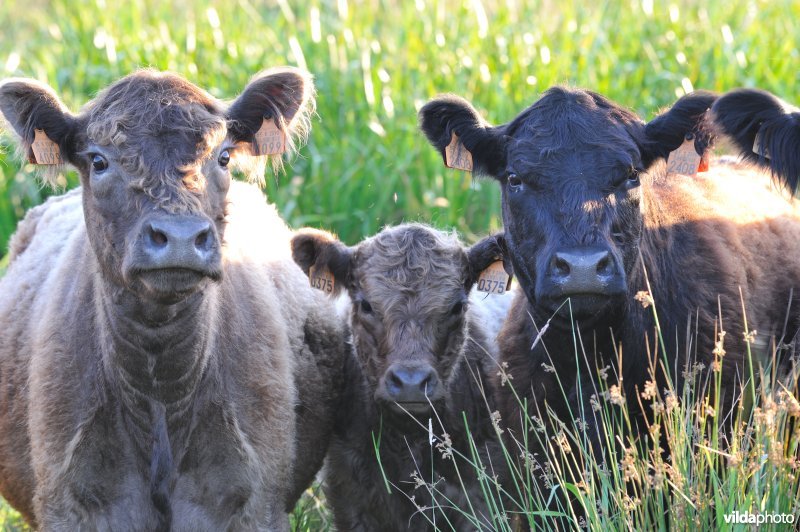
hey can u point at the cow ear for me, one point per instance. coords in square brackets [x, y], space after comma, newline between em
[281, 99]
[765, 130]
[446, 115]
[667, 132]
[34, 112]
[485, 253]
[318, 252]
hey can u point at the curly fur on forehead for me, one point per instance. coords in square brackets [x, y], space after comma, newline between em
[408, 258]
[162, 127]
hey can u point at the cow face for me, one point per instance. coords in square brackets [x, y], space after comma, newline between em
[409, 289]
[154, 153]
[570, 168]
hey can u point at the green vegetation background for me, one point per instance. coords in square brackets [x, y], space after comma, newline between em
[376, 62]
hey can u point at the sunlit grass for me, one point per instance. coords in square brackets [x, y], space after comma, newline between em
[376, 62]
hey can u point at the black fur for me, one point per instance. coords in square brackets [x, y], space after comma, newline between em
[745, 114]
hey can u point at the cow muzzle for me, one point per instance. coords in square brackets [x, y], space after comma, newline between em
[589, 277]
[175, 253]
[410, 388]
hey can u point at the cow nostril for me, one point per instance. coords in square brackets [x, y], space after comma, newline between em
[604, 266]
[202, 240]
[395, 381]
[561, 266]
[157, 237]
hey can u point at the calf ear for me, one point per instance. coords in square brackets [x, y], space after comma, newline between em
[765, 130]
[317, 252]
[445, 115]
[667, 132]
[485, 253]
[34, 112]
[282, 98]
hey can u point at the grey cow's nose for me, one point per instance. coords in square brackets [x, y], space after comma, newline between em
[179, 242]
[411, 385]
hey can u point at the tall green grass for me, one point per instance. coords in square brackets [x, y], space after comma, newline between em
[375, 63]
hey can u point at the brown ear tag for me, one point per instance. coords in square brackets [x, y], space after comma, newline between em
[457, 156]
[685, 159]
[757, 147]
[321, 278]
[269, 139]
[494, 279]
[45, 151]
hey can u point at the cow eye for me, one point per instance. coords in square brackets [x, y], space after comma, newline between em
[99, 163]
[457, 309]
[514, 183]
[633, 179]
[224, 158]
[366, 307]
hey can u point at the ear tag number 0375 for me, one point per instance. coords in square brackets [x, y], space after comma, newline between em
[321, 279]
[494, 279]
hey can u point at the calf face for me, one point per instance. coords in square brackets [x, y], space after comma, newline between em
[154, 153]
[409, 289]
[570, 169]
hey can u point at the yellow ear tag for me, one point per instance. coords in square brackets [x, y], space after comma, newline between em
[321, 279]
[494, 279]
[269, 139]
[45, 151]
[685, 159]
[457, 156]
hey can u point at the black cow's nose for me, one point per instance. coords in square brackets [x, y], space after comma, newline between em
[411, 384]
[179, 242]
[584, 270]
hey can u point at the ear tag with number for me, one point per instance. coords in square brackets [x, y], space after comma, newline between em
[269, 139]
[494, 279]
[44, 150]
[321, 278]
[685, 159]
[457, 156]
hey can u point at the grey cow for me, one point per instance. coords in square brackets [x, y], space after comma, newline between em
[161, 366]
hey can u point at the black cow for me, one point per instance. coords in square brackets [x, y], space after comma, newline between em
[592, 215]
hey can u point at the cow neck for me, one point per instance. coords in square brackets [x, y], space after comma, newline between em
[155, 354]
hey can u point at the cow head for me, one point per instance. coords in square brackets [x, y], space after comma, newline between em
[570, 169]
[409, 289]
[154, 154]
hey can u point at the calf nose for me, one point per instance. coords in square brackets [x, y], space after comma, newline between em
[179, 242]
[411, 385]
[591, 270]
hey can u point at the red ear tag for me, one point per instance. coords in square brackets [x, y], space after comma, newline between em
[44, 150]
[269, 139]
[685, 159]
[457, 156]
